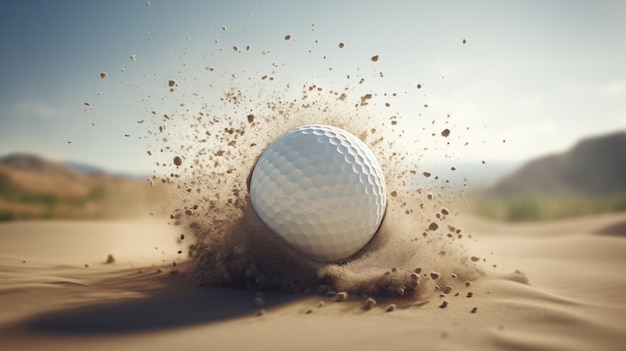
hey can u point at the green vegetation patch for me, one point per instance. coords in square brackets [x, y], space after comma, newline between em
[537, 208]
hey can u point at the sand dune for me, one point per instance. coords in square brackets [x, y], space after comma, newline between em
[57, 293]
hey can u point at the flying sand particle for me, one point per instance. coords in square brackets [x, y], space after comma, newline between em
[259, 302]
[364, 99]
[374, 58]
[104, 75]
[239, 250]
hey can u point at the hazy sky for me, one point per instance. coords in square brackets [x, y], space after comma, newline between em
[540, 74]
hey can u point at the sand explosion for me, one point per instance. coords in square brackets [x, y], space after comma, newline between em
[209, 151]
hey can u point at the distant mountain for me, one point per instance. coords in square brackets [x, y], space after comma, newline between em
[32, 163]
[595, 166]
[84, 168]
[91, 170]
[475, 174]
[33, 187]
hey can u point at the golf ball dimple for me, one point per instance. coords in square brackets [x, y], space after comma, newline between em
[321, 189]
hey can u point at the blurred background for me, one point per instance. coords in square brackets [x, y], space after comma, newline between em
[533, 92]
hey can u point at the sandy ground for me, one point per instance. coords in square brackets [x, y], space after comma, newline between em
[57, 293]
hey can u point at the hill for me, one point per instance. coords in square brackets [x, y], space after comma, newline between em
[32, 187]
[588, 179]
[595, 166]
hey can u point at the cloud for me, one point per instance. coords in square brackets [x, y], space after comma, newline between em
[36, 109]
[613, 90]
[531, 102]
[604, 90]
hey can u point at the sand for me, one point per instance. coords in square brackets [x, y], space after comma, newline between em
[58, 293]
[430, 279]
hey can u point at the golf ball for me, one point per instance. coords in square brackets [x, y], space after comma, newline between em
[321, 189]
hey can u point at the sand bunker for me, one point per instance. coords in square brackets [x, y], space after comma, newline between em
[59, 296]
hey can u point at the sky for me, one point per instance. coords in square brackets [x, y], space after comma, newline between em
[527, 77]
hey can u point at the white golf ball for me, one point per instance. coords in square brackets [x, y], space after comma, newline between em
[321, 189]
